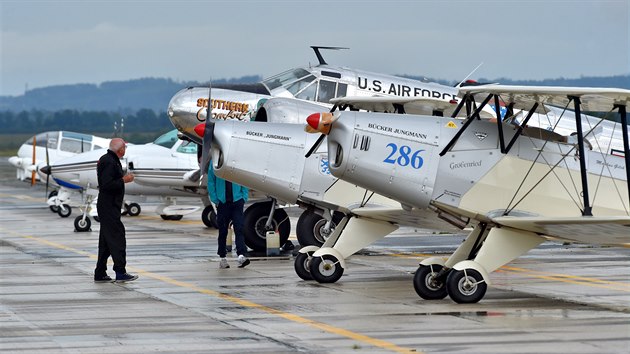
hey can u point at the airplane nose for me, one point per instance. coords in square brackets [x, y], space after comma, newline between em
[320, 122]
[45, 170]
[183, 112]
[200, 129]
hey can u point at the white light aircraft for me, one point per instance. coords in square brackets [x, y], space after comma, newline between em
[518, 185]
[159, 170]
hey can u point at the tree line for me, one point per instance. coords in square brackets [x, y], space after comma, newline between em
[36, 121]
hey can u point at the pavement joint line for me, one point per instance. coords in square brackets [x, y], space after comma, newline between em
[242, 302]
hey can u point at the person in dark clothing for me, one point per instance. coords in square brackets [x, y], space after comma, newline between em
[229, 198]
[111, 191]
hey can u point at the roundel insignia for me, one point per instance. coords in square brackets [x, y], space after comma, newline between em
[451, 124]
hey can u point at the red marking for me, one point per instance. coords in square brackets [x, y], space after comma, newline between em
[313, 120]
[200, 129]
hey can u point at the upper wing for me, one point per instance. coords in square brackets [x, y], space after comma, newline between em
[413, 105]
[524, 97]
[601, 230]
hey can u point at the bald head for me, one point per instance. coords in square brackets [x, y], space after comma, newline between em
[118, 146]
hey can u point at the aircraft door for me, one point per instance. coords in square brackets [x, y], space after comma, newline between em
[396, 156]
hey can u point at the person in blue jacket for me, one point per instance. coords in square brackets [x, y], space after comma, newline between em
[229, 198]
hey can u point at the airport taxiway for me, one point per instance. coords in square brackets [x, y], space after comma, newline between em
[555, 299]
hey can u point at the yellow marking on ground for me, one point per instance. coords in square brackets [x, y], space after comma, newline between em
[242, 302]
[572, 279]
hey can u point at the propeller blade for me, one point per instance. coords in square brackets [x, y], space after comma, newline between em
[208, 132]
[315, 146]
[48, 163]
[33, 173]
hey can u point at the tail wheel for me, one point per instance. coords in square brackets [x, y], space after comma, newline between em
[64, 211]
[301, 265]
[427, 285]
[325, 269]
[465, 286]
[81, 224]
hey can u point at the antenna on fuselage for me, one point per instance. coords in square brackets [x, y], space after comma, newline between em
[469, 75]
[319, 55]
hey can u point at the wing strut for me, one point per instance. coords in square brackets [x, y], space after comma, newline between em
[463, 128]
[626, 144]
[580, 136]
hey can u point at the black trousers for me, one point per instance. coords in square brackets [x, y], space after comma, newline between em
[111, 242]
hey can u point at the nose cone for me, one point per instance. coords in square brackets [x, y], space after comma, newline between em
[186, 109]
[319, 122]
[200, 129]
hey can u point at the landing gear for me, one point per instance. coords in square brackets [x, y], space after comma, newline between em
[427, 283]
[301, 265]
[255, 229]
[209, 217]
[313, 230]
[64, 210]
[133, 209]
[53, 208]
[465, 286]
[82, 224]
[325, 269]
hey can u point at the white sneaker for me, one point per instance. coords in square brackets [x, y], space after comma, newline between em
[223, 264]
[242, 261]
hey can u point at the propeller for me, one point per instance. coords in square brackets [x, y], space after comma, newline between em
[206, 131]
[33, 172]
[48, 164]
[319, 123]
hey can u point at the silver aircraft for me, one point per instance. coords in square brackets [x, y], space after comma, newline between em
[516, 184]
[290, 97]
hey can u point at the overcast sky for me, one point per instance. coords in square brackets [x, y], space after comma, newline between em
[46, 43]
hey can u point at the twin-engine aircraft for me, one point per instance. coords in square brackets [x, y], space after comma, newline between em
[517, 185]
[290, 97]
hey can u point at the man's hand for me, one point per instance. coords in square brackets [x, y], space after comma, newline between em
[128, 178]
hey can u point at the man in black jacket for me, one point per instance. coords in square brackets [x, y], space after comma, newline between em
[111, 190]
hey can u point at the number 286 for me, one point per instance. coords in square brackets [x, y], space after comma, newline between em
[402, 156]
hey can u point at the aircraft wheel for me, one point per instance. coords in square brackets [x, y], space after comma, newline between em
[54, 208]
[209, 217]
[254, 226]
[465, 286]
[164, 217]
[325, 269]
[134, 209]
[82, 225]
[65, 211]
[427, 285]
[310, 228]
[52, 194]
[301, 265]
[97, 219]
[125, 209]
[176, 217]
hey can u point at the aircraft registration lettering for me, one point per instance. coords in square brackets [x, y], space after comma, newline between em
[402, 156]
[401, 90]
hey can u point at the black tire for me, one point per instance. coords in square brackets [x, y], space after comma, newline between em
[81, 225]
[134, 209]
[301, 265]
[65, 211]
[125, 210]
[254, 226]
[426, 285]
[54, 208]
[176, 217]
[465, 288]
[209, 217]
[310, 228]
[97, 219]
[164, 216]
[325, 269]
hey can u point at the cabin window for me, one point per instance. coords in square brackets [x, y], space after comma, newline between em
[308, 93]
[74, 146]
[326, 91]
[299, 85]
[167, 140]
[187, 147]
[285, 78]
[342, 90]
